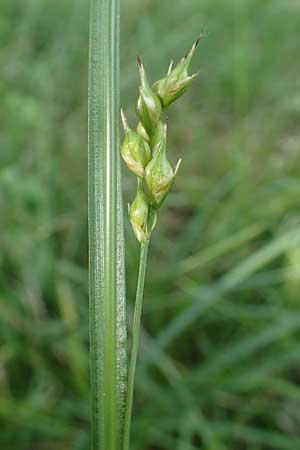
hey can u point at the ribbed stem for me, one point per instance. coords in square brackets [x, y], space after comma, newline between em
[135, 342]
[106, 245]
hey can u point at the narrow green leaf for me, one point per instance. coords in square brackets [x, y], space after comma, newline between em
[228, 244]
[262, 373]
[230, 281]
[254, 436]
[236, 352]
[106, 245]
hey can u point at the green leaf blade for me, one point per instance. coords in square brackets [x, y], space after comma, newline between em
[106, 244]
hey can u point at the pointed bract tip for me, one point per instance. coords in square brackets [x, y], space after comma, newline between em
[170, 67]
[177, 166]
[201, 35]
[194, 75]
[141, 70]
[124, 120]
[190, 53]
[166, 126]
[139, 61]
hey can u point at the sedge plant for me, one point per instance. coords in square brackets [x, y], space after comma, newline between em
[144, 153]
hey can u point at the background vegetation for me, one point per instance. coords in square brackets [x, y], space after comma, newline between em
[219, 362]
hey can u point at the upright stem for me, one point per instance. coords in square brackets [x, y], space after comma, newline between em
[135, 342]
[106, 245]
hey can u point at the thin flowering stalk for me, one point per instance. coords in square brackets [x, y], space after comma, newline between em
[135, 342]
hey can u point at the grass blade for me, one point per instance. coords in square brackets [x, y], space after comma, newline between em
[255, 436]
[230, 281]
[107, 298]
[217, 250]
[234, 354]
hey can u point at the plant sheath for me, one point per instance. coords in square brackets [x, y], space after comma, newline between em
[106, 244]
[135, 341]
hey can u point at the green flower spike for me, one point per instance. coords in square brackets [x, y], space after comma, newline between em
[148, 106]
[142, 217]
[177, 80]
[159, 175]
[135, 150]
[142, 132]
[157, 137]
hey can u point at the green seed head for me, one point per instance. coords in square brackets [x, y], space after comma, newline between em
[148, 106]
[177, 80]
[157, 137]
[142, 132]
[159, 175]
[135, 150]
[138, 214]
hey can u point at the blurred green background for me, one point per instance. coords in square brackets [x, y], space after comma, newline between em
[219, 365]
